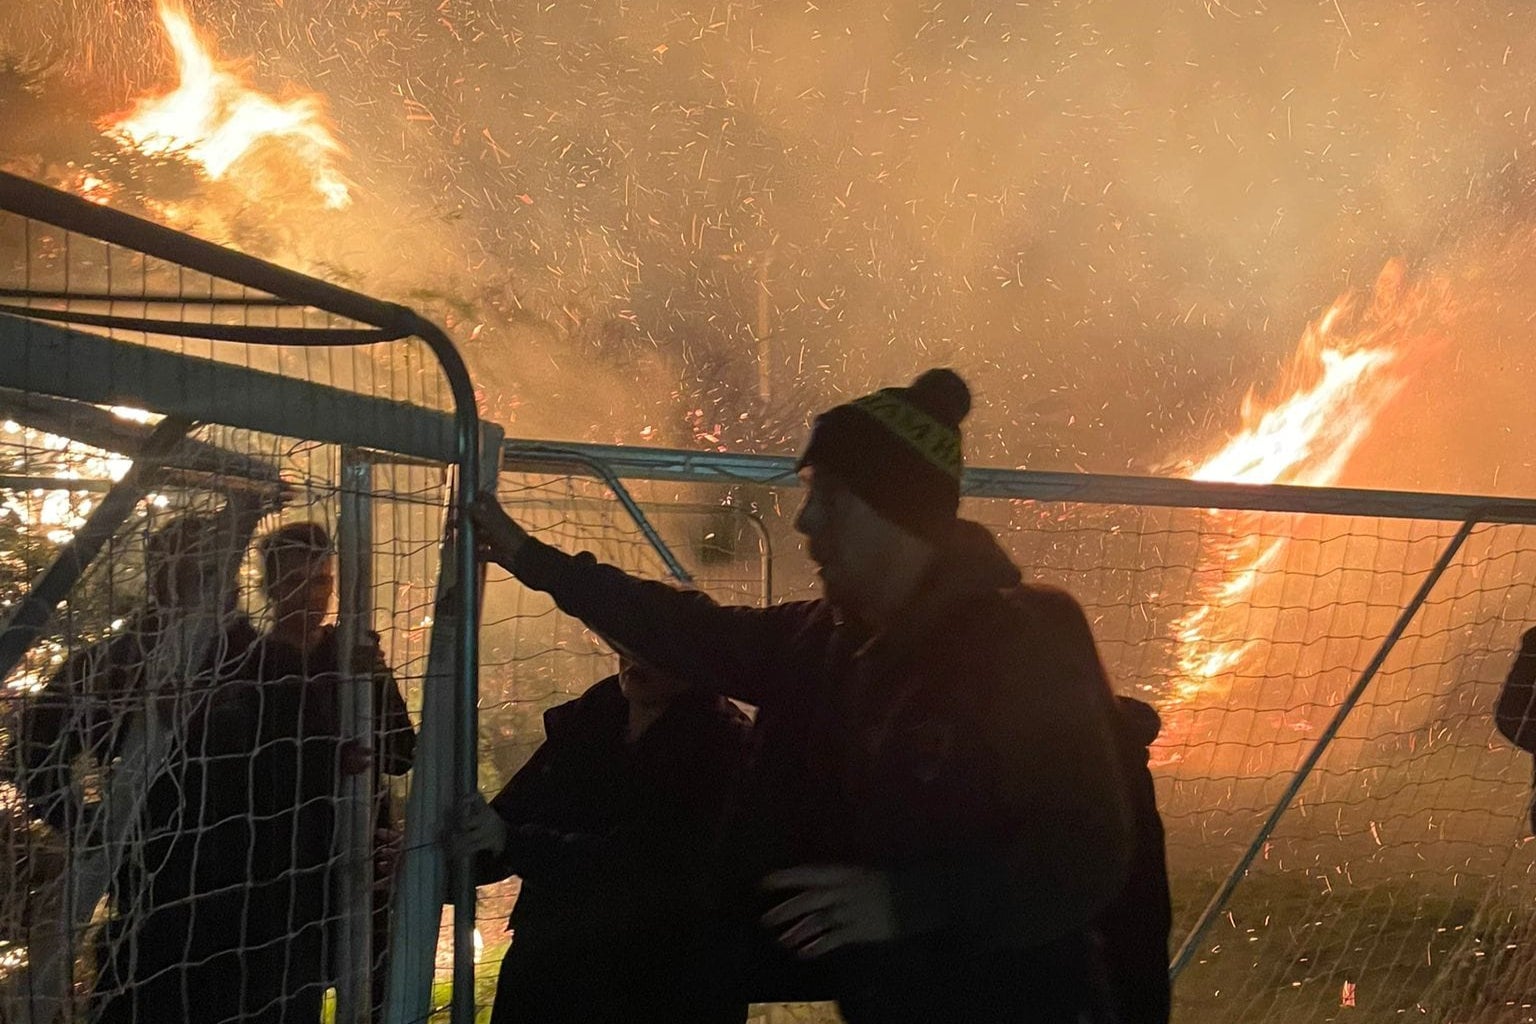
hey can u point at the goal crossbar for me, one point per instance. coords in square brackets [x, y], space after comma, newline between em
[67, 363]
[640, 463]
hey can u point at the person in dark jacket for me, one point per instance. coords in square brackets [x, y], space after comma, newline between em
[167, 837]
[1135, 927]
[300, 760]
[934, 814]
[1515, 714]
[608, 826]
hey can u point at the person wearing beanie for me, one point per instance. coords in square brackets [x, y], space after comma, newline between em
[933, 815]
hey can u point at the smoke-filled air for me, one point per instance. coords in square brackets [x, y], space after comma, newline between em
[1261, 242]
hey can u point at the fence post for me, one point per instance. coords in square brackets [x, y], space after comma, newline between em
[354, 536]
[468, 437]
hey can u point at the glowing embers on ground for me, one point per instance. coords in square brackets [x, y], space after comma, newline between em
[1349, 366]
[229, 129]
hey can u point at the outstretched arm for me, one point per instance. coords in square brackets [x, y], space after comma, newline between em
[738, 651]
[235, 524]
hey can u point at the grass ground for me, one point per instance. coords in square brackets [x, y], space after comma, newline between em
[1392, 953]
[1294, 952]
[485, 993]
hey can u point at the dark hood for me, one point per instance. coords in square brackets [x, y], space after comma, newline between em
[1139, 721]
[602, 711]
[973, 562]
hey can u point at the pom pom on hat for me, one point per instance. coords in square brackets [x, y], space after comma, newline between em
[941, 394]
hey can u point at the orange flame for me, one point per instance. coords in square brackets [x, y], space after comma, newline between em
[1347, 369]
[215, 120]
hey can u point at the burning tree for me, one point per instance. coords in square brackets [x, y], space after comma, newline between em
[1351, 363]
[219, 123]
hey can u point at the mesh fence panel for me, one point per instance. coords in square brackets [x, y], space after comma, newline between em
[178, 779]
[1411, 827]
[535, 657]
[1396, 885]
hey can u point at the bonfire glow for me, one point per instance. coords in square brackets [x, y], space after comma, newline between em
[1349, 366]
[216, 120]
[56, 513]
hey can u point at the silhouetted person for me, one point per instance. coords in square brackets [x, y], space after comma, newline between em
[608, 825]
[1135, 927]
[935, 815]
[1515, 715]
[167, 835]
[301, 761]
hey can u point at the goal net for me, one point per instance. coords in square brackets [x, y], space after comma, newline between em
[1394, 882]
[191, 829]
[533, 657]
[222, 515]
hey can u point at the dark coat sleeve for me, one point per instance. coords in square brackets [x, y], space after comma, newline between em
[397, 735]
[56, 725]
[1516, 712]
[738, 651]
[533, 848]
[1063, 841]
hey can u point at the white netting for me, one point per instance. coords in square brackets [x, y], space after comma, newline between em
[1395, 886]
[194, 826]
[103, 660]
[1398, 872]
[534, 657]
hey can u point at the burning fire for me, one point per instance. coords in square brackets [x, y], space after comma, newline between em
[217, 121]
[56, 513]
[1349, 366]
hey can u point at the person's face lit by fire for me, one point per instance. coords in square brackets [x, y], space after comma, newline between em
[185, 568]
[853, 547]
[301, 586]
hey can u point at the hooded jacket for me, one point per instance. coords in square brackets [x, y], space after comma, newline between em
[1135, 927]
[967, 751]
[610, 839]
[1515, 715]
